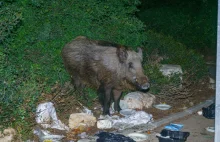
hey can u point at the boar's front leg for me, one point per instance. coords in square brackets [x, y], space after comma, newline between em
[107, 101]
[104, 93]
[117, 97]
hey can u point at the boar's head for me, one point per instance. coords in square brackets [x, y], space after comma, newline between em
[131, 60]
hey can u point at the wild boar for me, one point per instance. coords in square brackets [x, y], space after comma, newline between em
[107, 67]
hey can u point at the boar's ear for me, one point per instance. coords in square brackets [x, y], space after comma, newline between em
[122, 54]
[140, 53]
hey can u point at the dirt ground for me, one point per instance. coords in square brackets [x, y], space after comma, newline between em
[200, 93]
[66, 104]
[196, 125]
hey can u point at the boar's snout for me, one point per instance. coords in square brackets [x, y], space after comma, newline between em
[145, 86]
[144, 83]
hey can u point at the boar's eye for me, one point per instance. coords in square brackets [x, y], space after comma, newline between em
[130, 65]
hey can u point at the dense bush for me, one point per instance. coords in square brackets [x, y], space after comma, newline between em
[192, 23]
[30, 55]
[174, 52]
[10, 17]
[166, 50]
[31, 58]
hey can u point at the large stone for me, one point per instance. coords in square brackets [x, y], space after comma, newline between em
[8, 135]
[169, 70]
[77, 119]
[139, 100]
[212, 83]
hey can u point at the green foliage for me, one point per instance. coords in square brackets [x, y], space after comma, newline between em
[117, 19]
[10, 17]
[18, 94]
[192, 23]
[90, 96]
[174, 52]
[31, 56]
[37, 30]
[158, 80]
[169, 51]
[2, 59]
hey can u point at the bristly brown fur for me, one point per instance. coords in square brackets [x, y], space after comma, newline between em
[96, 64]
[110, 44]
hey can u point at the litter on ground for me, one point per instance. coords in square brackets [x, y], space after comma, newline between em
[46, 116]
[137, 118]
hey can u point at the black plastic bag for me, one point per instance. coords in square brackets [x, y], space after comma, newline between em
[172, 136]
[110, 137]
[175, 134]
[209, 112]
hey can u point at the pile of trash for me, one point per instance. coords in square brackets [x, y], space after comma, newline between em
[80, 123]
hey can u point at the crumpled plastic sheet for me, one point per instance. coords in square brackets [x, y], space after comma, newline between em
[138, 118]
[110, 137]
[45, 114]
[83, 135]
[87, 111]
[44, 135]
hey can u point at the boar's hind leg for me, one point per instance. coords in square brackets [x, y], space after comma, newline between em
[76, 80]
[117, 97]
[79, 86]
[104, 93]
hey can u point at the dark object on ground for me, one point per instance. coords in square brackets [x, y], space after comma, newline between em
[209, 112]
[108, 68]
[162, 139]
[178, 135]
[212, 71]
[110, 137]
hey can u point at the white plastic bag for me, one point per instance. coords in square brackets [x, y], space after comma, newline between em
[44, 135]
[46, 116]
[137, 118]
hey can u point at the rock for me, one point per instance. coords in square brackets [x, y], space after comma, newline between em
[211, 83]
[122, 104]
[191, 104]
[139, 100]
[169, 70]
[211, 80]
[134, 100]
[8, 135]
[77, 119]
[212, 86]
